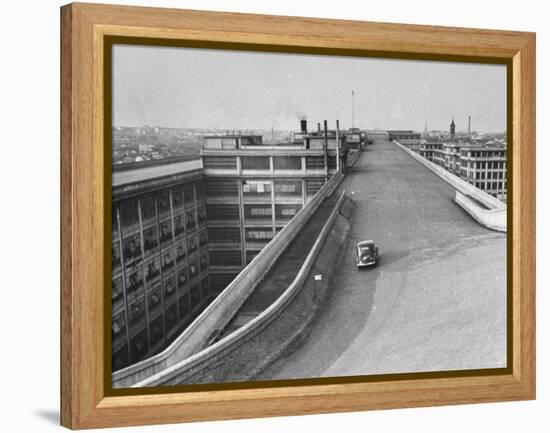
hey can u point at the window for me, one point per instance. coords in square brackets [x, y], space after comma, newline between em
[258, 234]
[163, 202]
[204, 262]
[134, 278]
[153, 299]
[195, 296]
[156, 329]
[177, 200]
[148, 211]
[287, 163]
[222, 187]
[117, 289]
[171, 318]
[180, 252]
[201, 214]
[178, 225]
[220, 162]
[165, 231]
[203, 239]
[315, 162]
[137, 311]
[167, 260]
[169, 287]
[225, 212]
[255, 163]
[115, 254]
[205, 289]
[190, 220]
[150, 239]
[120, 358]
[152, 268]
[257, 211]
[182, 279]
[138, 346]
[199, 191]
[192, 244]
[183, 304]
[193, 270]
[286, 211]
[225, 258]
[257, 188]
[129, 215]
[285, 188]
[132, 247]
[224, 234]
[188, 196]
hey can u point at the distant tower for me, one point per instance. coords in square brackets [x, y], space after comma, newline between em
[425, 128]
[469, 126]
[452, 129]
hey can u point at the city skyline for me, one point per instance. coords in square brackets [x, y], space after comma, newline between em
[258, 91]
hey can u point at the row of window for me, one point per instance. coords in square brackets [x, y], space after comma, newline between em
[158, 206]
[264, 162]
[483, 154]
[254, 188]
[491, 185]
[483, 165]
[162, 328]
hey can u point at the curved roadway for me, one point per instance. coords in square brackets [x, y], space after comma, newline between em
[437, 300]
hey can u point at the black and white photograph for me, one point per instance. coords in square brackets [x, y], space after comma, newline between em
[280, 216]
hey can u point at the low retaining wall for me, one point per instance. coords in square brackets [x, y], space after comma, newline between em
[245, 352]
[220, 312]
[494, 217]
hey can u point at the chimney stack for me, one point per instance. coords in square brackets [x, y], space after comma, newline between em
[303, 125]
[318, 126]
[469, 125]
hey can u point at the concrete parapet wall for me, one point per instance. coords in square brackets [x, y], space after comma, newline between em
[220, 312]
[245, 352]
[493, 205]
[492, 218]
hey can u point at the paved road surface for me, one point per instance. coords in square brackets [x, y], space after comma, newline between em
[437, 299]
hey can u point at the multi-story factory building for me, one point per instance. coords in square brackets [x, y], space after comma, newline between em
[253, 190]
[159, 257]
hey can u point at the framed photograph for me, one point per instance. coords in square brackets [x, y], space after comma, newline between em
[265, 215]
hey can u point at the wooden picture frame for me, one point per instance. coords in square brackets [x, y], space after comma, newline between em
[85, 398]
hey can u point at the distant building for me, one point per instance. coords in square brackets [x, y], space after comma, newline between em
[405, 137]
[429, 148]
[451, 153]
[486, 168]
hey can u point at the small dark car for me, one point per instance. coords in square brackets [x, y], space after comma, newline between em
[367, 254]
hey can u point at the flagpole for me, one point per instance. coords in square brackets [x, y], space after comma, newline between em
[352, 109]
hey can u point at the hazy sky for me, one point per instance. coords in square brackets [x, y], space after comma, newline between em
[187, 87]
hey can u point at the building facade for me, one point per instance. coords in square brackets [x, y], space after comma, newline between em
[160, 263]
[486, 168]
[253, 190]
[431, 151]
